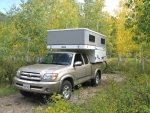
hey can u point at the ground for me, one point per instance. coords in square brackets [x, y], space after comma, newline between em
[20, 104]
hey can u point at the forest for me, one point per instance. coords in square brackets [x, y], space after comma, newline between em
[23, 36]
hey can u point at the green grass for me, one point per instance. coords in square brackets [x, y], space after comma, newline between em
[129, 65]
[7, 90]
[130, 96]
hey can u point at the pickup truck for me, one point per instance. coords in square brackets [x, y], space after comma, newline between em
[57, 72]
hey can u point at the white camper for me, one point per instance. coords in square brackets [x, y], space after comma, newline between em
[87, 41]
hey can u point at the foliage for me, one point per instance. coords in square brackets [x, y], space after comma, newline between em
[58, 105]
[6, 37]
[129, 65]
[8, 70]
[132, 96]
[132, 30]
[93, 17]
[63, 14]
[138, 19]
[124, 43]
[3, 17]
[31, 27]
[111, 37]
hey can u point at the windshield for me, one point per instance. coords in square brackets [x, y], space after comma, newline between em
[57, 58]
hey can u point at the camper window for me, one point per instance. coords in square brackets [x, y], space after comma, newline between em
[91, 38]
[102, 41]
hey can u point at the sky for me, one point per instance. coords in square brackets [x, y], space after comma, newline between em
[111, 5]
[5, 5]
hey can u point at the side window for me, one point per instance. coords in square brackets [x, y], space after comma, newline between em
[102, 41]
[78, 57]
[91, 38]
[85, 59]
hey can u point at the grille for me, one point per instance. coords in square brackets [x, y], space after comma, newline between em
[30, 76]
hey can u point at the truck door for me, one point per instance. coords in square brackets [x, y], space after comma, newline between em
[79, 70]
[87, 68]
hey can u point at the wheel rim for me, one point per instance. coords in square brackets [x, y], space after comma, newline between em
[66, 92]
[97, 79]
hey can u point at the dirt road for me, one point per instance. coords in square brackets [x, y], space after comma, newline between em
[20, 104]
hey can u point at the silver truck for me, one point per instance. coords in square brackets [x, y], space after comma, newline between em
[57, 72]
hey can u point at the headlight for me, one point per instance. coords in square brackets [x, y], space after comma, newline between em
[50, 76]
[18, 73]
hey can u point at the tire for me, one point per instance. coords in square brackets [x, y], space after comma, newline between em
[66, 90]
[96, 80]
[26, 94]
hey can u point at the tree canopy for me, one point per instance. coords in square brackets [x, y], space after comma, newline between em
[25, 31]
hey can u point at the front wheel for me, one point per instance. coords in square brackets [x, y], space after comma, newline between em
[96, 80]
[66, 90]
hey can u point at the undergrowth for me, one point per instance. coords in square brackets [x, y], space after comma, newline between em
[130, 96]
[128, 65]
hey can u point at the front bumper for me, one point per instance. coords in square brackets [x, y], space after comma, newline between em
[36, 86]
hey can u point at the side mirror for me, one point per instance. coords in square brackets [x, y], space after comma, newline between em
[78, 63]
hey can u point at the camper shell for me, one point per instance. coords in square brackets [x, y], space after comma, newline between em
[85, 40]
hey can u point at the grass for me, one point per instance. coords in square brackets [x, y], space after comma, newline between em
[127, 65]
[7, 90]
[130, 96]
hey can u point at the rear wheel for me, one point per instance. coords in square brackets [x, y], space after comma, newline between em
[26, 94]
[66, 90]
[96, 80]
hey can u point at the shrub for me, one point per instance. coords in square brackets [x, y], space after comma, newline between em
[8, 70]
[129, 65]
[131, 96]
[58, 105]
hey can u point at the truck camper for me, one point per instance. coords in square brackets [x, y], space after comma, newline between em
[78, 56]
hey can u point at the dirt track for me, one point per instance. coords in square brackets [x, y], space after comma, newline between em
[20, 104]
